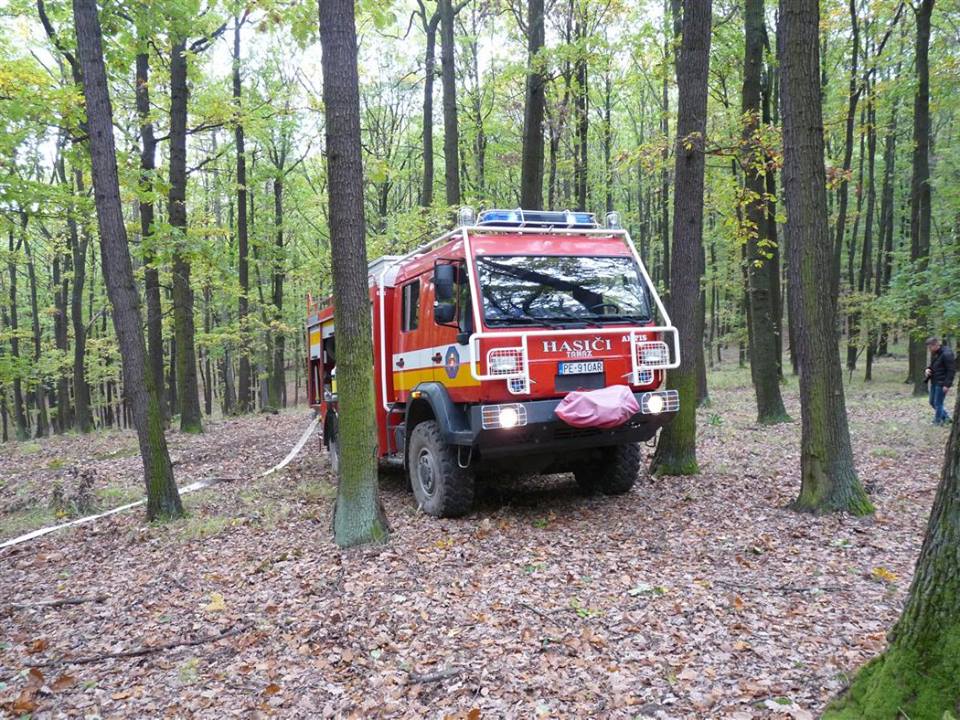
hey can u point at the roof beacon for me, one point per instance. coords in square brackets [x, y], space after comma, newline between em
[519, 218]
[613, 221]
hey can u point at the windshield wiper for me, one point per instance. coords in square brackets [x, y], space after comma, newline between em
[586, 321]
[524, 320]
[621, 318]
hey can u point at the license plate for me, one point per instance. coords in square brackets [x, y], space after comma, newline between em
[581, 368]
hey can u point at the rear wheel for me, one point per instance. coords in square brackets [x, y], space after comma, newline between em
[614, 472]
[441, 486]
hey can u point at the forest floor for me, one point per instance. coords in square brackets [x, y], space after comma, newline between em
[689, 597]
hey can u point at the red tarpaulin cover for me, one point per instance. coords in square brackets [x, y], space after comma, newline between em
[607, 407]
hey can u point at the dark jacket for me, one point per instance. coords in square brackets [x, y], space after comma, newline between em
[943, 366]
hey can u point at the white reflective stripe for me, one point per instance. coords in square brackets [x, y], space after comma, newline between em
[423, 358]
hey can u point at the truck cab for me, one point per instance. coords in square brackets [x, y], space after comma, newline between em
[481, 335]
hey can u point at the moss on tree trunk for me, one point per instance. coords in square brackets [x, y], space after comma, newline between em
[677, 447]
[828, 478]
[358, 517]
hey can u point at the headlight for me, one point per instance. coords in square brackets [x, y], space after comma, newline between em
[503, 417]
[503, 364]
[655, 404]
[508, 417]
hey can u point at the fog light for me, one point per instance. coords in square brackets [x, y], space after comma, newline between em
[508, 418]
[655, 404]
[503, 417]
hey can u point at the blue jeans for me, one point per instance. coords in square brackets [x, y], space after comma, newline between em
[937, 395]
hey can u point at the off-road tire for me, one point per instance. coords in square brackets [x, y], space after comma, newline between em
[614, 473]
[442, 488]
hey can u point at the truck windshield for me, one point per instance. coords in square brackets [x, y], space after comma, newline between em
[522, 289]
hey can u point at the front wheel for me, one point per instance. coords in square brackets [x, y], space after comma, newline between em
[333, 447]
[442, 488]
[614, 473]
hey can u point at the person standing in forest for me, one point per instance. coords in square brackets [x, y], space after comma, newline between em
[940, 373]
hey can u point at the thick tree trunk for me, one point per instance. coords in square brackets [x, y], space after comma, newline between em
[677, 448]
[358, 517]
[244, 401]
[531, 169]
[151, 275]
[764, 364]
[163, 500]
[183, 323]
[451, 132]
[918, 675]
[829, 480]
[920, 193]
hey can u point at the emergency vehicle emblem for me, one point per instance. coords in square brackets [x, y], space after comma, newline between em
[451, 362]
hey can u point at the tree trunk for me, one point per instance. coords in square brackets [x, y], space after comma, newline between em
[208, 378]
[764, 366]
[665, 157]
[865, 279]
[829, 480]
[244, 401]
[62, 417]
[278, 375]
[769, 94]
[918, 675]
[81, 390]
[163, 500]
[885, 241]
[151, 275]
[677, 448]
[358, 517]
[19, 413]
[531, 169]
[582, 112]
[183, 323]
[429, 64]
[920, 194]
[451, 136]
[43, 419]
[853, 97]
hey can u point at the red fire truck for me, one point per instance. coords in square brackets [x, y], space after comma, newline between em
[480, 334]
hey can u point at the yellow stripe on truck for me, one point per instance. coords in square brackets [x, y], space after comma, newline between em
[409, 379]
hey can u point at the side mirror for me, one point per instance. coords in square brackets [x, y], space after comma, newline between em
[443, 280]
[444, 312]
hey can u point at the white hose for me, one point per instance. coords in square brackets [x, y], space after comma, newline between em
[200, 484]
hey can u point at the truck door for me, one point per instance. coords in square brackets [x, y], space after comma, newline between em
[414, 359]
[451, 338]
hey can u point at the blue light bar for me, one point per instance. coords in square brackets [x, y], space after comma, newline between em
[538, 218]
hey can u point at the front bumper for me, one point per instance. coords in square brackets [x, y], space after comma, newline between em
[545, 432]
